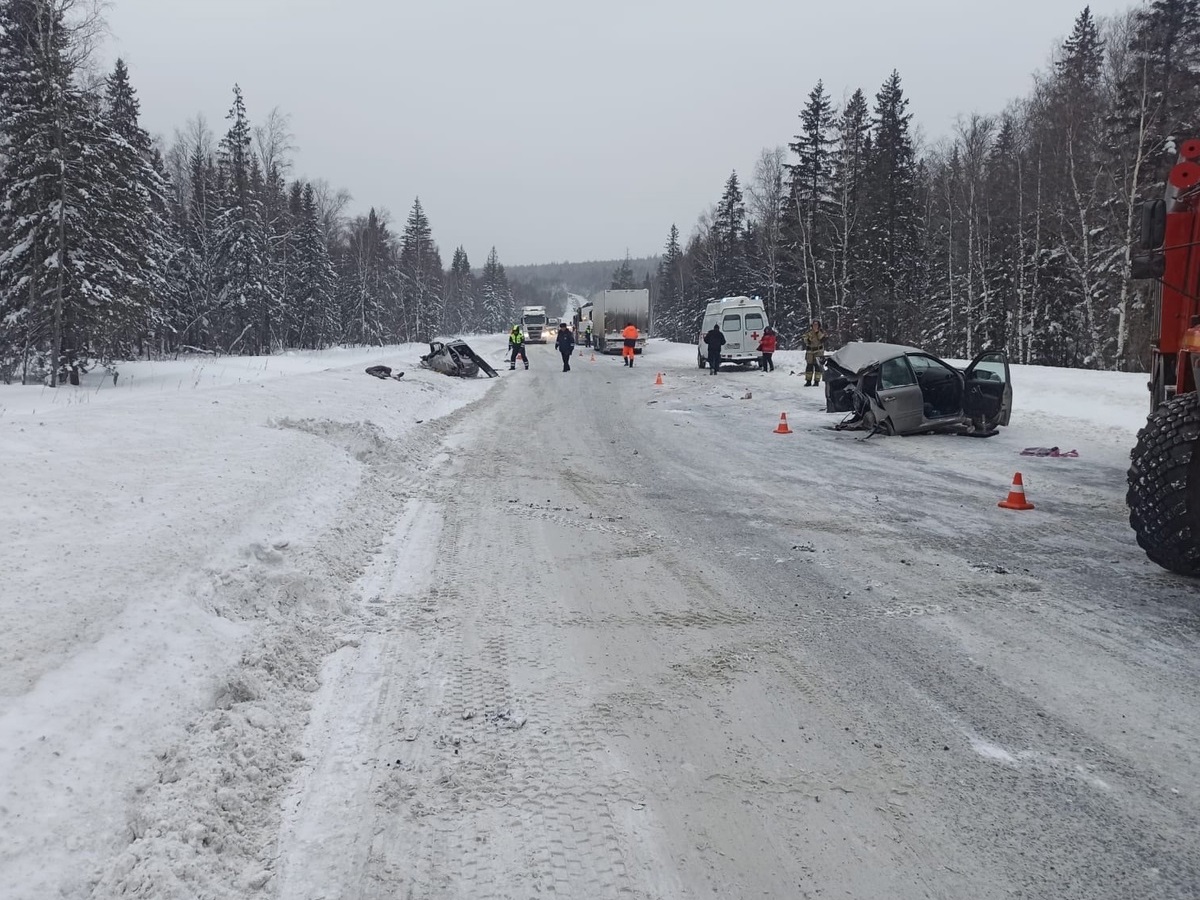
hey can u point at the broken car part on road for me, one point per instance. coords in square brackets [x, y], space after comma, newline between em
[455, 358]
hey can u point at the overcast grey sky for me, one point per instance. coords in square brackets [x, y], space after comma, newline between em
[564, 130]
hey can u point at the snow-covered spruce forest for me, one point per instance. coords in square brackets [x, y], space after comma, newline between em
[1013, 231]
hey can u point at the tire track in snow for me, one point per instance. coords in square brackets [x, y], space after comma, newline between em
[508, 796]
[208, 824]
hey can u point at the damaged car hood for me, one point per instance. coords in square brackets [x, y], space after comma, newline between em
[858, 356]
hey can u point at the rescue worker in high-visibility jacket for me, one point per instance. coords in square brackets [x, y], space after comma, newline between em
[814, 354]
[516, 347]
[629, 348]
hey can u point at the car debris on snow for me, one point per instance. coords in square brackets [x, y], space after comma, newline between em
[1051, 452]
[384, 372]
[457, 359]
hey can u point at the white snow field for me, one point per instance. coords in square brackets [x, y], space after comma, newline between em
[275, 628]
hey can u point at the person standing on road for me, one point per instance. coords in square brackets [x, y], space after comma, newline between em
[814, 354]
[587, 334]
[715, 341]
[516, 347]
[565, 344]
[767, 348]
[630, 338]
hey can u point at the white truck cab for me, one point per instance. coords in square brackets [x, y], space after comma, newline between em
[742, 320]
[533, 320]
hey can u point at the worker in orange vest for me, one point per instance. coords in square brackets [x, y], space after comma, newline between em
[630, 335]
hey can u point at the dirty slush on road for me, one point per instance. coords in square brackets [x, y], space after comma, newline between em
[586, 669]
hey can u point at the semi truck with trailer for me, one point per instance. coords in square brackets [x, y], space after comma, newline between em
[610, 311]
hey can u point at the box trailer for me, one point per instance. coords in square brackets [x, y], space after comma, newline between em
[611, 311]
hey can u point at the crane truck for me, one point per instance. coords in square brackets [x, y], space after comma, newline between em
[1164, 474]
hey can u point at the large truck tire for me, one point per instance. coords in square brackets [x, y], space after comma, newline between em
[1164, 485]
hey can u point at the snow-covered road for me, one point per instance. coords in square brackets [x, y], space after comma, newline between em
[587, 636]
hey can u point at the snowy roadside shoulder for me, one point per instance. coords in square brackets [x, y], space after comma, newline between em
[179, 564]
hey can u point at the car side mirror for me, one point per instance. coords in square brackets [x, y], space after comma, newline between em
[1154, 224]
[1151, 265]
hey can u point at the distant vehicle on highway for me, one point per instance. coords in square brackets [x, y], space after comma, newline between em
[533, 320]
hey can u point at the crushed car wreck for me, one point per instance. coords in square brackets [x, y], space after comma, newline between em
[455, 358]
[893, 389]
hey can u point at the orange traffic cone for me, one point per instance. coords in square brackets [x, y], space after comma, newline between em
[1016, 495]
[593, 357]
[658, 380]
[782, 427]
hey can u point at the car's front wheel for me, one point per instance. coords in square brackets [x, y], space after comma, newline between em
[875, 425]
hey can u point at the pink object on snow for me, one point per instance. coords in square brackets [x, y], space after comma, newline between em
[1052, 452]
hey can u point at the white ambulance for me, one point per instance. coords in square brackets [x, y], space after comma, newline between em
[742, 320]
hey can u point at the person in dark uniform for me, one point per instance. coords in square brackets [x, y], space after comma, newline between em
[565, 344]
[715, 341]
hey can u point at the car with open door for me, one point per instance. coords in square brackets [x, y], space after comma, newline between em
[894, 389]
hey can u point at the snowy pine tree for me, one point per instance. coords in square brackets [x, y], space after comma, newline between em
[495, 295]
[421, 267]
[34, 76]
[313, 283]
[892, 220]
[623, 278]
[80, 264]
[728, 242]
[849, 158]
[246, 295]
[807, 214]
[672, 319]
[136, 218]
[369, 295]
[462, 313]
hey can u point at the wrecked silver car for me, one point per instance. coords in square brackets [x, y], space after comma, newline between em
[455, 358]
[893, 389]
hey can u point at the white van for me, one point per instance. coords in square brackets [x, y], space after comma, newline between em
[742, 321]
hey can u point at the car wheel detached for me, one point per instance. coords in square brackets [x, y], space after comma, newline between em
[1164, 485]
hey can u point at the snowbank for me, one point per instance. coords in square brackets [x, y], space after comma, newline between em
[175, 544]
